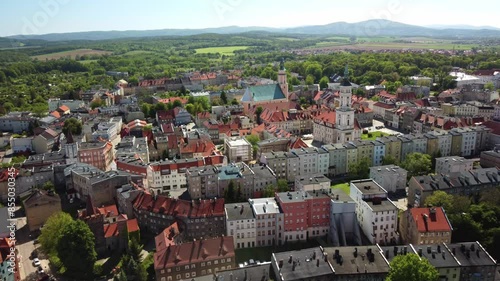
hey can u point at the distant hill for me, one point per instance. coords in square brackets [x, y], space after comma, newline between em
[364, 28]
[463, 26]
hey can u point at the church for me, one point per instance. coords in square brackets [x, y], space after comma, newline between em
[338, 126]
[265, 94]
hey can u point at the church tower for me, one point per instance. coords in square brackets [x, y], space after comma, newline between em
[345, 113]
[282, 79]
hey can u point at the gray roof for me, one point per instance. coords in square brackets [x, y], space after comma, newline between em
[358, 263]
[4, 218]
[312, 179]
[438, 255]
[239, 211]
[249, 273]
[385, 205]
[368, 187]
[299, 196]
[338, 195]
[309, 263]
[478, 256]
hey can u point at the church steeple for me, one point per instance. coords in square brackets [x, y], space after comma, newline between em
[282, 78]
[345, 80]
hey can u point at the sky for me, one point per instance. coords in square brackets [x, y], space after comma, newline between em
[57, 16]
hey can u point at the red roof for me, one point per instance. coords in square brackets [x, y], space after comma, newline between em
[132, 225]
[195, 252]
[326, 117]
[167, 237]
[56, 114]
[297, 144]
[430, 219]
[384, 105]
[111, 230]
[63, 108]
[494, 126]
[201, 146]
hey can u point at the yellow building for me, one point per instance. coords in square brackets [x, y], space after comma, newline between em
[39, 206]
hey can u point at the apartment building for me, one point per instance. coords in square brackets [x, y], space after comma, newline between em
[391, 177]
[376, 214]
[240, 224]
[284, 164]
[269, 220]
[453, 164]
[420, 226]
[97, 154]
[312, 160]
[344, 227]
[312, 183]
[392, 147]
[238, 150]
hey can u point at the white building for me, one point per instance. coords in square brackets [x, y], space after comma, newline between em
[376, 214]
[444, 141]
[312, 182]
[312, 160]
[200, 94]
[269, 221]
[240, 223]
[343, 222]
[21, 144]
[468, 141]
[391, 177]
[238, 149]
[453, 164]
[465, 79]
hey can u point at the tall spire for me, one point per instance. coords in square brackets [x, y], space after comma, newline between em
[282, 64]
[345, 80]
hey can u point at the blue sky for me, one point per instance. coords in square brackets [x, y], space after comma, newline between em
[55, 16]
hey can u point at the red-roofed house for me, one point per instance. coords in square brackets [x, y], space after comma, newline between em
[168, 237]
[425, 226]
[379, 108]
[194, 259]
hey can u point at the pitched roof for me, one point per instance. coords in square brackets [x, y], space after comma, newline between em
[384, 105]
[194, 252]
[431, 219]
[63, 108]
[267, 92]
[167, 237]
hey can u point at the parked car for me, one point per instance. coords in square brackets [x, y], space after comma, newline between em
[40, 270]
[36, 262]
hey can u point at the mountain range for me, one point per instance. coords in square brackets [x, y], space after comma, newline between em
[367, 28]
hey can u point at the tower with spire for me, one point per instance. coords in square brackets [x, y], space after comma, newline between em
[282, 78]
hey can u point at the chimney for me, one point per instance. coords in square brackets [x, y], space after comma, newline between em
[477, 252]
[280, 264]
[290, 259]
[387, 254]
[355, 252]
[317, 262]
[439, 248]
[420, 252]
[294, 265]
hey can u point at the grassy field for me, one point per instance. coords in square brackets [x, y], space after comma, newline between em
[87, 61]
[374, 135]
[137, 52]
[344, 186]
[228, 51]
[72, 54]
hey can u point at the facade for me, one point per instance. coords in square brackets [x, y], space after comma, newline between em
[377, 215]
[21, 144]
[269, 220]
[39, 206]
[344, 228]
[420, 226]
[240, 224]
[45, 141]
[194, 259]
[391, 177]
[312, 160]
[490, 159]
[16, 122]
[452, 164]
[284, 164]
[97, 154]
[238, 150]
[337, 159]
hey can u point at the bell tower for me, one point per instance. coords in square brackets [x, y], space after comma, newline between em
[282, 78]
[345, 113]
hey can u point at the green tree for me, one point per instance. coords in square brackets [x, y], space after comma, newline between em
[135, 249]
[411, 268]
[48, 186]
[51, 231]
[121, 276]
[73, 126]
[323, 82]
[465, 228]
[389, 160]
[223, 97]
[282, 185]
[97, 103]
[417, 164]
[234, 102]
[133, 269]
[360, 169]
[440, 198]
[309, 80]
[230, 192]
[258, 112]
[76, 249]
[489, 86]
[269, 191]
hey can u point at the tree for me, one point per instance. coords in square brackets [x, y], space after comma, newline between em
[360, 169]
[97, 103]
[48, 186]
[223, 97]
[135, 249]
[309, 80]
[417, 164]
[230, 193]
[121, 276]
[411, 268]
[133, 269]
[389, 160]
[76, 248]
[440, 199]
[72, 126]
[51, 231]
[323, 82]
[258, 112]
[269, 191]
[234, 102]
[282, 185]
[489, 86]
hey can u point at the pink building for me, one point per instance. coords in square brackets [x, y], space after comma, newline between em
[97, 154]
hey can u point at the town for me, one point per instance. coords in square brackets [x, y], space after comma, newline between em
[264, 172]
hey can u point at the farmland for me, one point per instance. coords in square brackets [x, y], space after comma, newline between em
[71, 54]
[228, 51]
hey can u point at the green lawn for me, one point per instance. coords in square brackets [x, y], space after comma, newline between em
[374, 135]
[228, 50]
[344, 186]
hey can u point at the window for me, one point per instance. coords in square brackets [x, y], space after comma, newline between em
[178, 277]
[162, 271]
[187, 275]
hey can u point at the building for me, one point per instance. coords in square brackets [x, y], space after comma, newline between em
[9, 260]
[490, 159]
[307, 264]
[344, 228]
[39, 206]
[240, 224]
[193, 259]
[270, 221]
[475, 262]
[391, 177]
[453, 164]
[312, 160]
[97, 154]
[425, 226]
[357, 263]
[312, 183]
[285, 165]
[54, 103]
[268, 93]
[377, 215]
[21, 144]
[45, 141]
[468, 183]
[238, 150]
[337, 159]
[306, 214]
[16, 122]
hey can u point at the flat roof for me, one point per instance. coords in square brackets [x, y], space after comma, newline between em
[239, 211]
[368, 187]
[302, 264]
[385, 205]
[338, 195]
[478, 256]
[355, 260]
[318, 178]
[262, 206]
[437, 255]
[300, 196]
